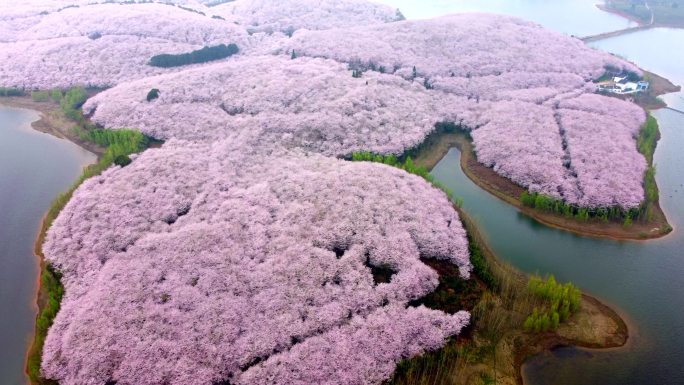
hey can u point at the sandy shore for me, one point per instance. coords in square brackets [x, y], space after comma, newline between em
[595, 325]
[52, 121]
[504, 189]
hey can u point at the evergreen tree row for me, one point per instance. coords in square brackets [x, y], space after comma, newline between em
[201, 55]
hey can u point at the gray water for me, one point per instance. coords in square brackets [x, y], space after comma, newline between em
[34, 169]
[659, 50]
[642, 280]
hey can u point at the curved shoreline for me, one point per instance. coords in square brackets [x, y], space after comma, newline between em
[568, 334]
[51, 120]
[548, 340]
[509, 192]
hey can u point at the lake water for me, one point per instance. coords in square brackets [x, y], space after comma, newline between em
[659, 50]
[645, 281]
[34, 169]
[642, 280]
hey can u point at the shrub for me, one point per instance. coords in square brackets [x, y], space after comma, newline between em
[153, 94]
[558, 303]
[72, 101]
[4, 91]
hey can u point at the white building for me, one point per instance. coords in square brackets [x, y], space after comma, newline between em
[621, 85]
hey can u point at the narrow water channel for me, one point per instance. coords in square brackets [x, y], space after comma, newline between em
[34, 169]
[643, 280]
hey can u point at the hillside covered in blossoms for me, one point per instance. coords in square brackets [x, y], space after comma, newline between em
[244, 250]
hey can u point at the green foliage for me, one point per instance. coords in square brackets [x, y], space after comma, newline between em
[4, 91]
[153, 94]
[648, 138]
[646, 143]
[480, 266]
[118, 143]
[202, 55]
[50, 281]
[40, 96]
[559, 302]
[556, 206]
[294, 55]
[72, 101]
[122, 160]
[56, 95]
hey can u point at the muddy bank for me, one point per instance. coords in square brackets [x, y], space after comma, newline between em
[437, 145]
[495, 346]
[52, 120]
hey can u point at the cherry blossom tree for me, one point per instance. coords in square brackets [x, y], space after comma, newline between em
[287, 16]
[200, 263]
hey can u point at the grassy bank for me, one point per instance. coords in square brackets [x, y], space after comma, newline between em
[647, 222]
[513, 316]
[116, 147]
[493, 349]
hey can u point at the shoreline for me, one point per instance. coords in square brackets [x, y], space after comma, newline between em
[40, 294]
[52, 121]
[509, 192]
[545, 342]
[627, 16]
[569, 333]
[494, 347]
[639, 21]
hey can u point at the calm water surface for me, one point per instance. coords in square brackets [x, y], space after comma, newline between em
[644, 280]
[34, 168]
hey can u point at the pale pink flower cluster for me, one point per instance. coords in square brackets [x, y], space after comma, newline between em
[287, 16]
[199, 263]
[522, 73]
[242, 249]
[307, 103]
[462, 45]
[601, 134]
[103, 44]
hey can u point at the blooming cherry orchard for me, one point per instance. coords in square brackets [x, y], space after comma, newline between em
[287, 16]
[523, 73]
[243, 250]
[200, 263]
[104, 44]
[308, 103]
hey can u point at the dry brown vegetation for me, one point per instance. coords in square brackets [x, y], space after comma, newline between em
[495, 346]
